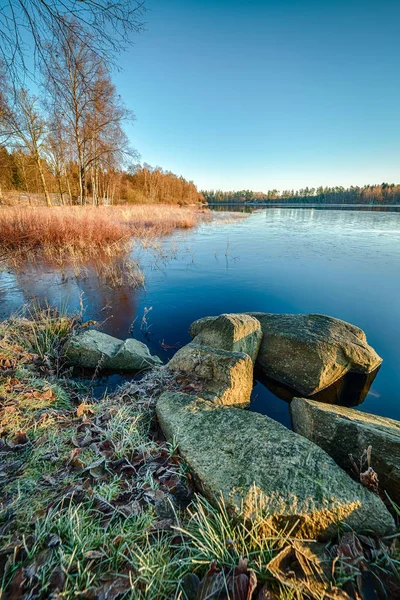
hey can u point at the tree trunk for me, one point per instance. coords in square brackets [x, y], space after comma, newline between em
[69, 190]
[42, 179]
[82, 184]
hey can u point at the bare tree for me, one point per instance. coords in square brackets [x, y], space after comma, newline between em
[89, 108]
[57, 152]
[23, 127]
[26, 26]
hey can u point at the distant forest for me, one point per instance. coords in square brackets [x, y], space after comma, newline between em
[385, 193]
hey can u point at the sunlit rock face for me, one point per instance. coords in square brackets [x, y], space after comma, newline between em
[232, 332]
[262, 469]
[343, 432]
[224, 377]
[92, 349]
[309, 353]
[221, 358]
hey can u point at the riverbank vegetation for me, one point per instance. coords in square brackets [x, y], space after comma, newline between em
[385, 193]
[96, 504]
[78, 234]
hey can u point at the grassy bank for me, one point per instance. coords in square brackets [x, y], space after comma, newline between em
[95, 504]
[68, 232]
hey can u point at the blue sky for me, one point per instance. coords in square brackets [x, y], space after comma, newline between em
[267, 94]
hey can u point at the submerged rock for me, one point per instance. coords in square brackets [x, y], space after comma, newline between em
[260, 466]
[232, 332]
[93, 348]
[343, 431]
[226, 377]
[310, 352]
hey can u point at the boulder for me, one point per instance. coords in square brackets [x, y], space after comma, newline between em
[343, 431]
[262, 469]
[310, 352]
[93, 348]
[232, 332]
[226, 377]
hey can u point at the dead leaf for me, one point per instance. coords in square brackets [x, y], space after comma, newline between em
[266, 594]
[162, 525]
[48, 394]
[212, 584]
[113, 589]
[74, 459]
[93, 554]
[54, 541]
[56, 580]
[83, 409]
[190, 585]
[306, 567]
[17, 585]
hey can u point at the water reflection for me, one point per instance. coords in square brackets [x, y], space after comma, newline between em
[350, 390]
[343, 263]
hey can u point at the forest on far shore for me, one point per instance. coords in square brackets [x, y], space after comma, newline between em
[384, 193]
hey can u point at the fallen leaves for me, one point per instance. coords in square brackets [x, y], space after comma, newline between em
[45, 394]
[84, 409]
[225, 584]
[306, 567]
[19, 441]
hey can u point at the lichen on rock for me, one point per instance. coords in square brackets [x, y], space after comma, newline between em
[262, 468]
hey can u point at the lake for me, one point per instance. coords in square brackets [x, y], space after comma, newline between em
[343, 263]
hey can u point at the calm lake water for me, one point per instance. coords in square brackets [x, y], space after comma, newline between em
[343, 263]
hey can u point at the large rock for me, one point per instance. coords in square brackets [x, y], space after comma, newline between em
[226, 377]
[260, 466]
[310, 352]
[343, 431]
[232, 332]
[93, 348]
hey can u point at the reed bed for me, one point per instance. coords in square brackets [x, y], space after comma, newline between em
[64, 232]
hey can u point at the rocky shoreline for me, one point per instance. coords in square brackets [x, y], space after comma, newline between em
[299, 479]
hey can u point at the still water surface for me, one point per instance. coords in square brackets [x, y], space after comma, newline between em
[343, 263]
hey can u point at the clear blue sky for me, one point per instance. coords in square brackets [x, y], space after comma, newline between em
[266, 94]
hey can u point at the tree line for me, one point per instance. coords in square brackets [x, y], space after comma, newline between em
[384, 193]
[68, 142]
[141, 184]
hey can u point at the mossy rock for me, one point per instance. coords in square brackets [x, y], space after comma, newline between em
[261, 468]
[226, 377]
[310, 352]
[342, 432]
[91, 349]
[232, 332]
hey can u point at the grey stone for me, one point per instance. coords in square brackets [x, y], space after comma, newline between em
[311, 352]
[232, 332]
[343, 431]
[227, 377]
[262, 468]
[93, 348]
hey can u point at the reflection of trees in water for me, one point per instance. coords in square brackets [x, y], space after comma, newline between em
[115, 307]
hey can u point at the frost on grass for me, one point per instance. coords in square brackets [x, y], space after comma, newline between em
[95, 504]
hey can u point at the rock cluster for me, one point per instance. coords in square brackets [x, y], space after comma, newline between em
[295, 480]
[260, 467]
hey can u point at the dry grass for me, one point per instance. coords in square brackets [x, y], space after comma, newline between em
[61, 233]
